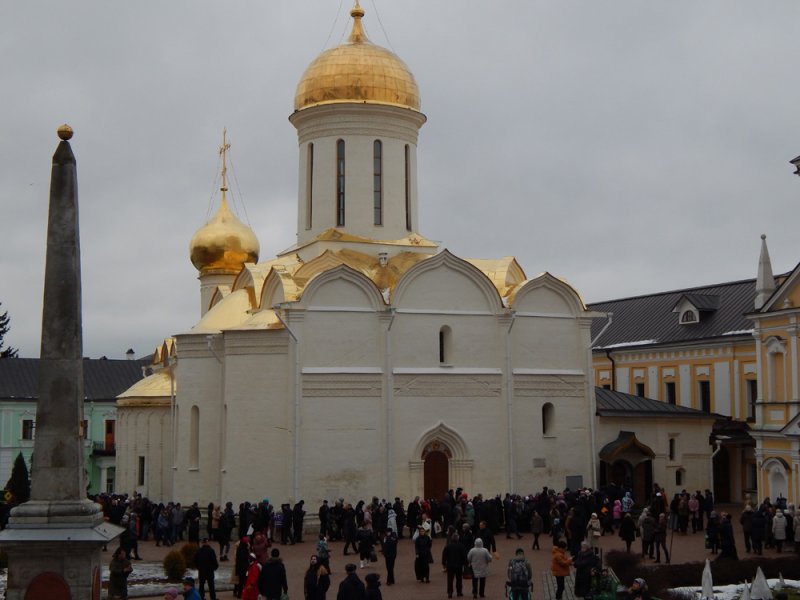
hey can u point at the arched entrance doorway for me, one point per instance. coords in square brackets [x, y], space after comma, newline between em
[778, 483]
[628, 463]
[437, 480]
[440, 461]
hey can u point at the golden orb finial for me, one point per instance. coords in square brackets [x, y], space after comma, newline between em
[65, 132]
[357, 35]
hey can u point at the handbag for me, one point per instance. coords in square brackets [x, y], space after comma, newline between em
[467, 572]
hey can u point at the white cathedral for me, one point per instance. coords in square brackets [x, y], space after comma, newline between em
[366, 359]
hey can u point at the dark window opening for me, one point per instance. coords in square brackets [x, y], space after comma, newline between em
[669, 392]
[340, 183]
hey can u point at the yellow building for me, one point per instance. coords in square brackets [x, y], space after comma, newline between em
[698, 348]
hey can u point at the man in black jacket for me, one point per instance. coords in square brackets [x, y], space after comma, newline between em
[206, 562]
[454, 557]
[272, 579]
[351, 587]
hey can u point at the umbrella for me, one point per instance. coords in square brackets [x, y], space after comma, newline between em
[707, 592]
[760, 589]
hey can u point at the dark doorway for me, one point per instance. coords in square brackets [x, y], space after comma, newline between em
[436, 474]
[722, 470]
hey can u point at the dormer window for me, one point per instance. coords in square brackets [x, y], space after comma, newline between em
[693, 308]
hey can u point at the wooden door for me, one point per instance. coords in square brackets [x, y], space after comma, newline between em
[436, 475]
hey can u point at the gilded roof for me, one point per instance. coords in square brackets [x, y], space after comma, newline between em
[157, 385]
[223, 244]
[357, 71]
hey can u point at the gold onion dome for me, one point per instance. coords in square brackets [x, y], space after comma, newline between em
[357, 71]
[224, 244]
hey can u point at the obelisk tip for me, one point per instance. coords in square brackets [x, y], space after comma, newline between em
[65, 132]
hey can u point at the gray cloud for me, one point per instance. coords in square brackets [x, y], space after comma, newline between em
[626, 146]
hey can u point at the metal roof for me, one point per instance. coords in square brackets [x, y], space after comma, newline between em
[618, 404]
[103, 379]
[650, 320]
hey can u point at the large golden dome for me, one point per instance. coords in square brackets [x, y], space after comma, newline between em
[357, 71]
[223, 244]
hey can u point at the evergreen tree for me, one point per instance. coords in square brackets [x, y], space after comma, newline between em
[5, 326]
[19, 483]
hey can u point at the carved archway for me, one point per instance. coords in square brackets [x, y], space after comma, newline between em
[438, 449]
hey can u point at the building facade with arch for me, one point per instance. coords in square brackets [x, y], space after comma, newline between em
[365, 359]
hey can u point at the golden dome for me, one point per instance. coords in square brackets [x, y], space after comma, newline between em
[357, 71]
[223, 244]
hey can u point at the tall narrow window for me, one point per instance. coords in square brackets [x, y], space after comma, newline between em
[672, 448]
[377, 182]
[704, 391]
[752, 398]
[310, 186]
[140, 477]
[194, 439]
[340, 183]
[669, 392]
[408, 187]
[639, 388]
[548, 414]
[445, 344]
[28, 426]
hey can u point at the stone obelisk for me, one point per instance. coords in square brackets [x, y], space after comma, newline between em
[54, 541]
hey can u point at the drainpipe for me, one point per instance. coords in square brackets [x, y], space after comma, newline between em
[296, 441]
[613, 370]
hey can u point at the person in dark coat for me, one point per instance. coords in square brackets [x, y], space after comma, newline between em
[351, 587]
[584, 562]
[758, 524]
[726, 541]
[389, 545]
[349, 529]
[119, 570]
[366, 543]
[627, 531]
[298, 516]
[712, 531]
[373, 591]
[272, 580]
[241, 565]
[193, 519]
[487, 536]
[206, 562]
[316, 581]
[454, 557]
[423, 555]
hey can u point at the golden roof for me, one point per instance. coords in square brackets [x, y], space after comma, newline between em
[154, 390]
[223, 244]
[357, 71]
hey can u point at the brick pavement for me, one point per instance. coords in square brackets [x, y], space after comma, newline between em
[688, 548]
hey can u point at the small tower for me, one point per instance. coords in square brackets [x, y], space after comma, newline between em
[221, 247]
[765, 281]
[357, 115]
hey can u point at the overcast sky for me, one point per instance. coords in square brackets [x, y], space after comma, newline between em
[628, 147]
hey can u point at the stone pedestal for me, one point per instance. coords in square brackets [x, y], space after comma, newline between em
[55, 548]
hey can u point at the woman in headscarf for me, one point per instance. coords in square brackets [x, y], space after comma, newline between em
[316, 581]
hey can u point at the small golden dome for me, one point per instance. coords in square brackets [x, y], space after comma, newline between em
[357, 71]
[223, 244]
[65, 132]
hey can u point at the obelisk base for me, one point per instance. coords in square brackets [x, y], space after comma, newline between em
[56, 548]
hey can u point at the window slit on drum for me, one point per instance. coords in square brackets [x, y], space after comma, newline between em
[377, 182]
[340, 183]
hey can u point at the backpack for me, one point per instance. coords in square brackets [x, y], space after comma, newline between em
[518, 576]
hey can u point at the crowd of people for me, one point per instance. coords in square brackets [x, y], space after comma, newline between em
[574, 520]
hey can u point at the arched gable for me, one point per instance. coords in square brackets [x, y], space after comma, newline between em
[220, 293]
[342, 286]
[547, 294]
[446, 281]
[445, 437]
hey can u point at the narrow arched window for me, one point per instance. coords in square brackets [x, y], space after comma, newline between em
[377, 182]
[548, 416]
[309, 186]
[672, 448]
[445, 345]
[340, 183]
[194, 438]
[408, 187]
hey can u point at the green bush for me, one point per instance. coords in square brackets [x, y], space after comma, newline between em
[188, 552]
[174, 565]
